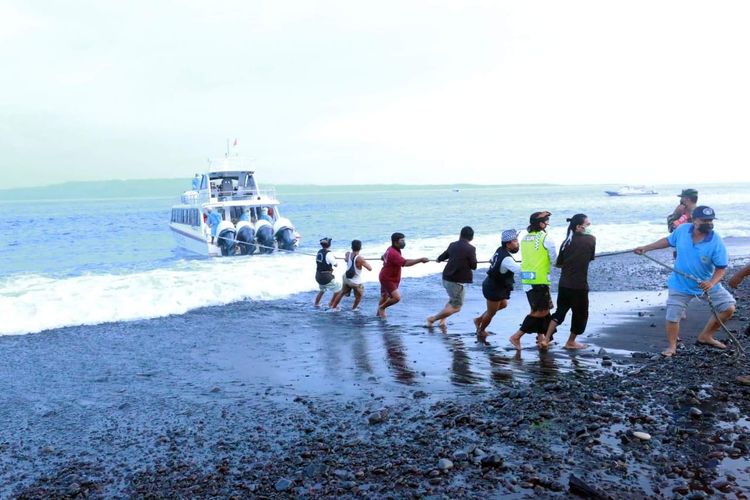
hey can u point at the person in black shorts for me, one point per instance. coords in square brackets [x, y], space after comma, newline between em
[498, 284]
[576, 252]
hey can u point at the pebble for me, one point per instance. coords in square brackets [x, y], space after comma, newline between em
[283, 484]
[378, 417]
[643, 436]
[445, 464]
[695, 412]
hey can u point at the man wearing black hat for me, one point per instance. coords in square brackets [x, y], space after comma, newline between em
[699, 267]
[538, 252]
[684, 211]
[325, 262]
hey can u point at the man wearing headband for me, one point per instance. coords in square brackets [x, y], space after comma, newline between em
[537, 253]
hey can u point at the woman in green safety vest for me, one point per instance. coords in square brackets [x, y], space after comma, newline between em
[537, 253]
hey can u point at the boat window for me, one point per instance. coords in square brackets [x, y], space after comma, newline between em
[204, 182]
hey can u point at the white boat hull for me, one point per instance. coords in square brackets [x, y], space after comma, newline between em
[192, 239]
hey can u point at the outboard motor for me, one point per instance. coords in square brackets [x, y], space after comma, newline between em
[226, 238]
[284, 232]
[246, 237]
[264, 236]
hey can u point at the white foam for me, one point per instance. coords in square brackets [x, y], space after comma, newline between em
[32, 303]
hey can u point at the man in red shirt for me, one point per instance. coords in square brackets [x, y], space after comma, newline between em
[390, 275]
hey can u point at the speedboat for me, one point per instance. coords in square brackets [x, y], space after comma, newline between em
[249, 218]
[632, 191]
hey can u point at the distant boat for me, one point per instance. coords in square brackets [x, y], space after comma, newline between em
[632, 191]
[456, 190]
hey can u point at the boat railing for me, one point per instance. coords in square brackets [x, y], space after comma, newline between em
[241, 194]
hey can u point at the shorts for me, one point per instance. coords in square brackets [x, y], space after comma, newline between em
[388, 287]
[539, 298]
[332, 286]
[493, 292]
[677, 302]
[535, 325]
[456, 293]
[577, 301]
[348, 286]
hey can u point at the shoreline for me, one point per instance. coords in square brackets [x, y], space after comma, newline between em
[205, 404]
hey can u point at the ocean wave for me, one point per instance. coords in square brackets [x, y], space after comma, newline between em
[33, 302]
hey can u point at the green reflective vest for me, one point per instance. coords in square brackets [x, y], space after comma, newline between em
[535, 266]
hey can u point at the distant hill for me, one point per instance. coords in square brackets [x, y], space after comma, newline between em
[171, 188]
[99, 189]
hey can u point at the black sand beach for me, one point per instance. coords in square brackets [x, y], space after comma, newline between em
[278, 399]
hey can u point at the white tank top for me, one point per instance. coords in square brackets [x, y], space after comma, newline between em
[357, 279]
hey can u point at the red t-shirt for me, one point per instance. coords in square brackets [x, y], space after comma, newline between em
[392, 264]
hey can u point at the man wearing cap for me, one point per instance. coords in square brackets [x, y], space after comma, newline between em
[684, 211]
[537, 253]
[498, 284]
[699, 267]
[390, 274]
[462, 260]
[325, 262]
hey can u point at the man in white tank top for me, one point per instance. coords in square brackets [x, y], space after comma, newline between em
[354, 264]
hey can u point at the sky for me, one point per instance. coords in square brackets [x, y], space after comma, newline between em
[347, 92]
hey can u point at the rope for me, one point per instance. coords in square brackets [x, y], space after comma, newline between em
[610, 254]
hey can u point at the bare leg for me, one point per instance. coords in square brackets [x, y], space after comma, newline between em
[478, 322]
[673, 330]
[336, 299]
[712, 326]
[550, 330]
[395, 298]
[447, 311]
[515, 339]
[483, 321]
[357, 298]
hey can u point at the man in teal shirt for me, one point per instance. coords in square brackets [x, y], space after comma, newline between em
[701, 254]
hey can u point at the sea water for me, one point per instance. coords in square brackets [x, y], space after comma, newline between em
[93, 259]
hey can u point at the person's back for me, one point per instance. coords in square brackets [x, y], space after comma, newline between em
[575, 261]
[462, 259]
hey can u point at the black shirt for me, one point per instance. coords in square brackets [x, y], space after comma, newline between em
[574, 261]
[462, 258]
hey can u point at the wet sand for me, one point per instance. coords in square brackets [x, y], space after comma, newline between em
[277, 398]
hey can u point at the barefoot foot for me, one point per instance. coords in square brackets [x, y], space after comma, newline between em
[710, 342]
[575, 345]
[516, 341]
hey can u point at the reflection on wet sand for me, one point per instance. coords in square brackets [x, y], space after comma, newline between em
[396, 354]
[360, 354]
[461, 373]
